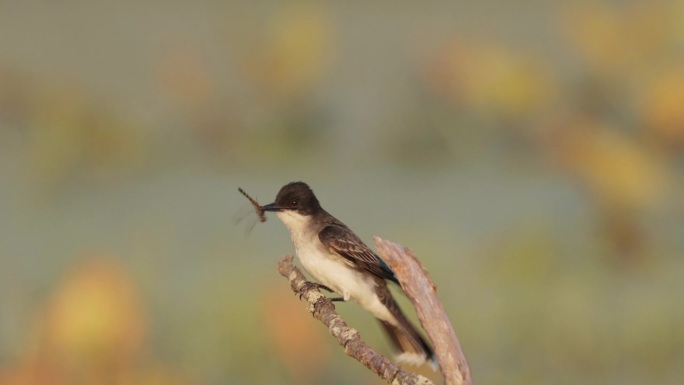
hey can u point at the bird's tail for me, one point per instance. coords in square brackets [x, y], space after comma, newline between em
[412, 348]
[404, 336]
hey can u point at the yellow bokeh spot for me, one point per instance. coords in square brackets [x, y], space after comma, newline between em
[296, 53]
[663, 104]
[95, 315]
[614, 167]
[492, 80]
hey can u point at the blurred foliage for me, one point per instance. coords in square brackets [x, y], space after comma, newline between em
[301, 346]
[92, 331]
[294, 54]
[531, 154]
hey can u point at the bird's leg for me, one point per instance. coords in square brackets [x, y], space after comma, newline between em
[344, 298]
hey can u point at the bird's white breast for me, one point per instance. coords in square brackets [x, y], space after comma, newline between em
[332, 270]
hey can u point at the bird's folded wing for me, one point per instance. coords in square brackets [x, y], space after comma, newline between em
[343, 242]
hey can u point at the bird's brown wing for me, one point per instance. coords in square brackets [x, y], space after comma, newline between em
[343, 242]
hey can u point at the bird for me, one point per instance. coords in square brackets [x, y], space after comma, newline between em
[339, 260]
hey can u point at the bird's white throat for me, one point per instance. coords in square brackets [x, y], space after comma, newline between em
[295, 222]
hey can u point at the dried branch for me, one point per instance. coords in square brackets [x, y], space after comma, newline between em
[422, 292]
[322, 309]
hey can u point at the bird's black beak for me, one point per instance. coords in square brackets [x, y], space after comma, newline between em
[271, 207]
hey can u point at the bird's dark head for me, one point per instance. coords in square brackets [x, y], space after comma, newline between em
[295, 197]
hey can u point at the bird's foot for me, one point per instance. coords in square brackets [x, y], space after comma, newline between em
[312, 286]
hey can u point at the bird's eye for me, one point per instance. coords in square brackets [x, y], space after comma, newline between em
[294, 203]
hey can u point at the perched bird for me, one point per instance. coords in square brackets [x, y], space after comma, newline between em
[342, 263]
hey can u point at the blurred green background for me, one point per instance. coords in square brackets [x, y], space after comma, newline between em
[530, 152]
